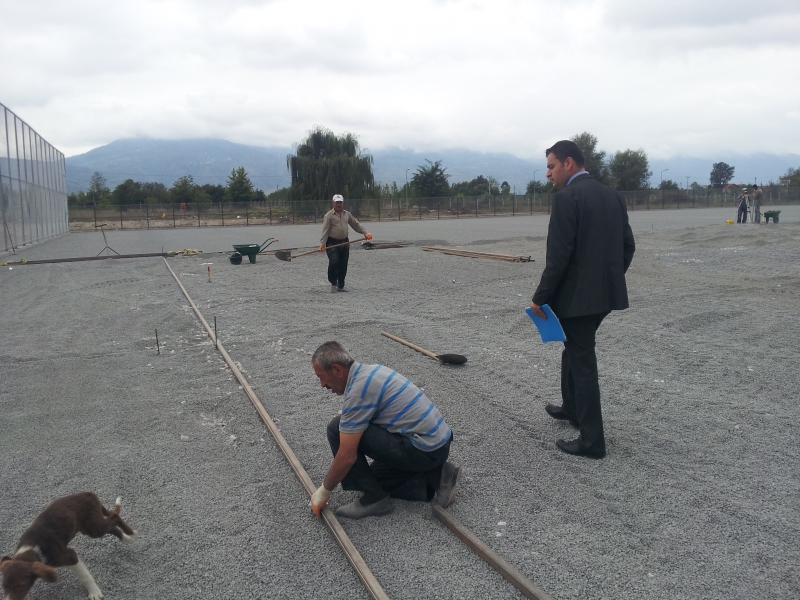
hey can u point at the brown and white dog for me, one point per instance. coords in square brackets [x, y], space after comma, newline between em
[43, 546]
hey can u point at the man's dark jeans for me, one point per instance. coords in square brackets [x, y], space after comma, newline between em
[580, 388]
[337, 261]
[398, 468]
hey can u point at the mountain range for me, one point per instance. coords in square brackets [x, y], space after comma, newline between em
[211, 161]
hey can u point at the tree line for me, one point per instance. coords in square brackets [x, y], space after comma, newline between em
[325, 164]
[184, 190]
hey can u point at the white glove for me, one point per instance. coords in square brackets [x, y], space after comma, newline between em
[319, 499]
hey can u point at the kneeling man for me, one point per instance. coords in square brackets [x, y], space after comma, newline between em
[387, 418]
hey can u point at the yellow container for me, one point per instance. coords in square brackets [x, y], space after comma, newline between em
[729, 221]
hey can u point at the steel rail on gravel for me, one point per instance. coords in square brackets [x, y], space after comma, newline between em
[359, 565]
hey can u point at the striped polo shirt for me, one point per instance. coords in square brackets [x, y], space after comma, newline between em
[376, 394]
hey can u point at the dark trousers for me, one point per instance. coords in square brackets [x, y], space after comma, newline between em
[741, 216]
[580, 387]
[337, 261]
[397, 468]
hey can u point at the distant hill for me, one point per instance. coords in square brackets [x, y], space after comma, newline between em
[164, 161]
[211, 161]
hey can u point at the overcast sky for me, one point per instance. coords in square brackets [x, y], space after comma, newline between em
[683, 77]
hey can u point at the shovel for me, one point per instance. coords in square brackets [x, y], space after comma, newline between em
[286, 255]
[445, 359]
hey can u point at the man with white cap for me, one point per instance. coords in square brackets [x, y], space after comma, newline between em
[335, 231]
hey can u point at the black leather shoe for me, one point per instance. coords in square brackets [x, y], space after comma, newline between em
[578, 448]
[557, 412]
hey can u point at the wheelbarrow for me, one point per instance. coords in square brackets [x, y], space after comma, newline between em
[774, 214]
[248, 250]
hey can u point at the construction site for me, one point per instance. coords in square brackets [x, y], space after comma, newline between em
[113, 384]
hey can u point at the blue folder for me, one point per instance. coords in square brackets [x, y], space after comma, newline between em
[550, 328]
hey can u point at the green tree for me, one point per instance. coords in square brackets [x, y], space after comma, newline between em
[98, 189]
[215, 192]
[630, 170]
[477, 187]
[540, 187]
[791, 178]
[325, 164]
[239, 187]
[668, 184]
[185, 190]
[430, 181]
[595, 160]
[505, 189]
[721, 174]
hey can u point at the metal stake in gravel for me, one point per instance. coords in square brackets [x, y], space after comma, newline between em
[445, 359]
[158, 347]
[359, 565]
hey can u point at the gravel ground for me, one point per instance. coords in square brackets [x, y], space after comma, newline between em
[698, 497]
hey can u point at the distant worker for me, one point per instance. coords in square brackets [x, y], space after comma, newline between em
[334, 231]
[758, 198]
[589, 248]
[387, 418]
[741, 215]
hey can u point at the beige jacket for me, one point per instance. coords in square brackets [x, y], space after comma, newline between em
[336, 227]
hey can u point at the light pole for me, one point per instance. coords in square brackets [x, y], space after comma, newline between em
[535, 171]
[407, 170]
[687, 182]
[662, 177]
[662, 187]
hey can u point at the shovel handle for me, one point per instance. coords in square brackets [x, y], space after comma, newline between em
[334, 246]
[410, 345]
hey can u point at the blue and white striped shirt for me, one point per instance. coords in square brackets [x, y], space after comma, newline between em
[375, 394]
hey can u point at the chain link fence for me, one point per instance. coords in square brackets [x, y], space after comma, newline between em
[33, 185]
[287, 212]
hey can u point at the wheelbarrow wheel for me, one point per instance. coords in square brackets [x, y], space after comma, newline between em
[236, 258]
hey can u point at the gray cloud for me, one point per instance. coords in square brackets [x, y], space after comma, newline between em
[501, 76]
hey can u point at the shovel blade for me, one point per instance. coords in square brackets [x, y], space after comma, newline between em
[452, 359]
[284, 255]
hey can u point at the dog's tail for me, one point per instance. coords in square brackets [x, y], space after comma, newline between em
[117, 506]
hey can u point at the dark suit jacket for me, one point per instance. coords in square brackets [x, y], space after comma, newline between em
[589, 247]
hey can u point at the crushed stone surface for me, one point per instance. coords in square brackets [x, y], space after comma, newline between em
[697, 498]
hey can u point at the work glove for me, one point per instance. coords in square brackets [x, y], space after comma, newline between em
[368, 236]
[321, 249]
[319, 499]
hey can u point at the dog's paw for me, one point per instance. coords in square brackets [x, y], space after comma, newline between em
[96, 594]
[129, 539]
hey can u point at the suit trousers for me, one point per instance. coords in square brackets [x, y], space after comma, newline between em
[337, 261]
[580, 386]
[398, 468]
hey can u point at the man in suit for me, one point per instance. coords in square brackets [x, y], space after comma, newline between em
[589, 248]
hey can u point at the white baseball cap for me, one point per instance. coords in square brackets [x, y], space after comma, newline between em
[338, 198]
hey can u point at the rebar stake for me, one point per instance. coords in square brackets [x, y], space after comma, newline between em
[158, 347]
[216, 347]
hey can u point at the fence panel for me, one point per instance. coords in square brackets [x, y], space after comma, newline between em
[33, 199]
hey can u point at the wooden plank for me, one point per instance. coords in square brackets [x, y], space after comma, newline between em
[506, 569]
[359, 565]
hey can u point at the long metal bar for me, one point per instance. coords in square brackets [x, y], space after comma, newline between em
[359, 565]
[507, 570]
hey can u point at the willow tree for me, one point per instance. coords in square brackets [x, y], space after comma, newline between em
[325, 164]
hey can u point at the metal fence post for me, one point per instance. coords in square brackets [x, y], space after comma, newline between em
[246, 214]
[174, 225]
[270, 212]
[94, 206]
[222, 212]
[147, 215]
[120, 219]
[198, 215]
